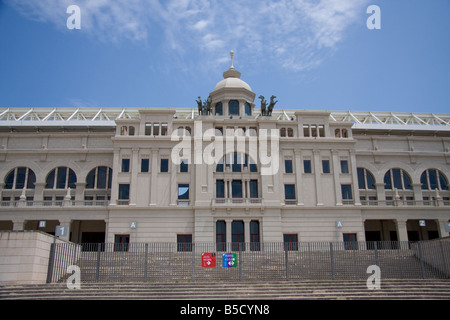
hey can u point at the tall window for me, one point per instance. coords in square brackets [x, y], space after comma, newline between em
[236, 188]
[233, 106]
[307, 166]
[164, 165]
[124, 193]
[20, 178]
[326, 166]
[248, 109]
[219, 109]
[432, 179]
[221, 235]
[344, 166]
[220, 189]
[254, 236]
[347, 195]
[398, 179]
[61, 178]
[145, 165]
[183, 192]
[289, 192]
[125, 165]
[288, 166]
[237, 235]
[253, 188]
[184, 166]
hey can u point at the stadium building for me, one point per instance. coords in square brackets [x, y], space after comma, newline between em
[230, 170]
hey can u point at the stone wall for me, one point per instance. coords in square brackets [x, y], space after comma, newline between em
[24, 257]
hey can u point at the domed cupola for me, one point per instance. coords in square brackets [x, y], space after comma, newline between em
[232, 96]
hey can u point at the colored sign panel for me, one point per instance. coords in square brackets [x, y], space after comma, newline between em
[208, 260]
[229, 260]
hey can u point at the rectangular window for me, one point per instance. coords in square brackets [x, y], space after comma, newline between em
[125, 165]
[124, 191]
[289, 191]
[184, 242]
[184, 167]
[220, 189]
[164, 129]
[183, 192]
[145, 165]
[121, 242]
[290, 242]
[164, 165]
[344, 166]
[156, 129]
[288, 166]
[307, 166]
[326, 166]
[253, 188]
[346, 192]
[148, 129]
[321, 130]
[306, 130]
[313, 130]
[233, 107]
[236, 188]
[61, 178]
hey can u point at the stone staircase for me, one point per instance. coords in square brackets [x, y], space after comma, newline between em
[225, 290]
[166, 267]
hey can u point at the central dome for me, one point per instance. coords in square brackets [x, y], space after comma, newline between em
[232, 79]
[232, 83]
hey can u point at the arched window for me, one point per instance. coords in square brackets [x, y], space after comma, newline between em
[20, 178]
[397, 179]
[99, 178]
[432, 179]
[248, 109]
[233, 108]
[366, 181]
[61, 178]
[219, 109]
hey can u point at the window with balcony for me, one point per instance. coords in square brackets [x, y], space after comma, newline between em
[124, 194]
[433, 179]
[20, 178]
[289, 194]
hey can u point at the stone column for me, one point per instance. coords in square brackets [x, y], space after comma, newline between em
[402, 230]
[298, 174]
[318, 175]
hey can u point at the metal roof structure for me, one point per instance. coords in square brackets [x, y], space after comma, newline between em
[95, 117]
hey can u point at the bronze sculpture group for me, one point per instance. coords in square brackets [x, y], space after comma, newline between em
[204, 108]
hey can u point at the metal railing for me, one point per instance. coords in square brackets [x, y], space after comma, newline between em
[171, 262]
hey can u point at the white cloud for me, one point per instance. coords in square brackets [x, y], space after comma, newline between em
[288, 33]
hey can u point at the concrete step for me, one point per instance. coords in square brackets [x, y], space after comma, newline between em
[390, 289]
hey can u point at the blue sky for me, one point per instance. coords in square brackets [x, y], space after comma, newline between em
[311, 54]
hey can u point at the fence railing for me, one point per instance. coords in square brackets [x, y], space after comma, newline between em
[170, 262]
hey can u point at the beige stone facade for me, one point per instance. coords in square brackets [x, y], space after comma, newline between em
[111, 175]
